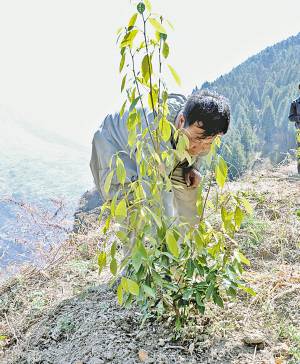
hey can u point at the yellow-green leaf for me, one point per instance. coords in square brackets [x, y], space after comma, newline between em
[133, 287]
[113, 249]
[165, 129]
[123, 108]
[120, 294]
[121, 209]
[101, 261]
[247, 206]
[121, 172]
[175, 75]
[122, 62]
[238, 216]
[128, 39]
[123, 83]
[172, 243]
[165, 50]
[247, 290]
[113, 266]
[221, 171]
[148, 5]
[107, 182]
[241, 257]
[146, 65]
[132, 20]
[157, 26]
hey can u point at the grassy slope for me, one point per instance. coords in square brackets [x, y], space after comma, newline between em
[63, 315]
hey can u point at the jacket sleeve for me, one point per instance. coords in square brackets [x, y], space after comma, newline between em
[293, 113]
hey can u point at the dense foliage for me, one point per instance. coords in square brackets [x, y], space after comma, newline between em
[260, 91]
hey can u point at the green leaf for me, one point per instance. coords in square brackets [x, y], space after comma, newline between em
[121, 209]
[149, 291]
[120, 294]
[132, 20]
[175, 75]
[165, 50]
[148, 5]
[165, 129]
[157, 25]
[218, 300]
[155, 217]
[123, 82]
[108, 180]
[221, 171]
[113, 266]
[140, 7]
[172, 243]
[122, 62]
[121, 172]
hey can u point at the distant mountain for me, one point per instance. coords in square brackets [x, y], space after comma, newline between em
[260, 91]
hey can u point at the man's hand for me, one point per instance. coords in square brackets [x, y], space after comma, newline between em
[192, 177]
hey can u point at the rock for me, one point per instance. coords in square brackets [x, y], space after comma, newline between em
[87, 212]
[95, 361]
[255, 339]
[109, 355]
[281, 350]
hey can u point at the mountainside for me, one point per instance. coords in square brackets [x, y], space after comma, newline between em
[66, 313]
[260, 91]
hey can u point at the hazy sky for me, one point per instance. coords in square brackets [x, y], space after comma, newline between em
[59, 60]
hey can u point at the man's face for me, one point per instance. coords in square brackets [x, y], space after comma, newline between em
[198, 145]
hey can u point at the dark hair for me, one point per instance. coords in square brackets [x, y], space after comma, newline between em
[299, 86]
[211, 109]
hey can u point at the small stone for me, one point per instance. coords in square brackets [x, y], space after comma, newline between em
[255, 339]
[161, 342]
[143, 355]
[191, 348]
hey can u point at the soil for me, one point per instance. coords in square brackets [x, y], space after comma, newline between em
[67, 314]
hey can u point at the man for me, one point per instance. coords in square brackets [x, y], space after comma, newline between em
[295, 117]
[202, 116]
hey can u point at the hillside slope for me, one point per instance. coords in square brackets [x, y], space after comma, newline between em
[67, 314]
[260, 91]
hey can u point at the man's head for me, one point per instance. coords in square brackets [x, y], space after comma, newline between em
[205, 115]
